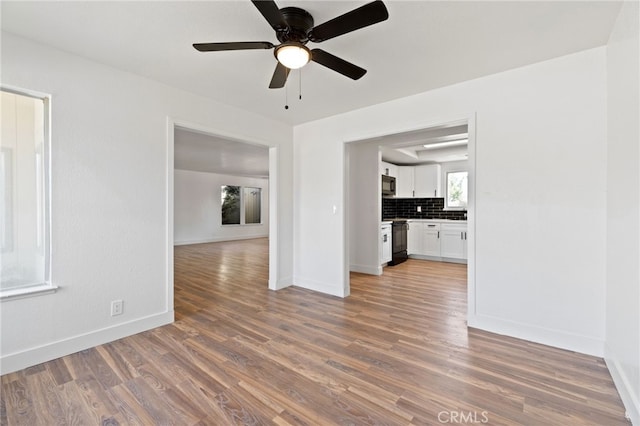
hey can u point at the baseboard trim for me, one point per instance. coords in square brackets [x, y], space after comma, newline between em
[319, 287]
[438, 258]
[550, 337]
[281, 283]
[219, 239]
[30, 357]
[625, 389]
[366, 269]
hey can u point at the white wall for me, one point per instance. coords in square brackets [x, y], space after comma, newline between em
[111, 230]
[364, 209]
[197, 208]
[540, 194]
[622, 350]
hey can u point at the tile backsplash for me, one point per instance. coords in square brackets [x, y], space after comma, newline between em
[407, 208]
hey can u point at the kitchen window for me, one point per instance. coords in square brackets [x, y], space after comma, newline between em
[457, 193]
[241, 206]
[24, 195]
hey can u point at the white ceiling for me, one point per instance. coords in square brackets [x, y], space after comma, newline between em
[423, 45]
[206, 153]
[408, 148]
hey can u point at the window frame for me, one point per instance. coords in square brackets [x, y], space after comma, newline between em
[243, 207]
[46, 287]
[446, 190]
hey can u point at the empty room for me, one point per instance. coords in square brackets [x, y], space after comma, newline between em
[320, 212]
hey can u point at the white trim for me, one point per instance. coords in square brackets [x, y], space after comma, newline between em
[366, 269]
[326, 288]
[545, 336]
[624, 386]
[48, 287]
[470, 120]
[33, 356]
[169, 284]
[273, 220]
[282, 283]
[471, 215]
[437, 258]
[220, 239]
[22, 292]
[275, 282]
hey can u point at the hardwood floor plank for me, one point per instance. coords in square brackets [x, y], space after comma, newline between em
[396, 352]
[98, 403]
[46, 400]
[19, 402]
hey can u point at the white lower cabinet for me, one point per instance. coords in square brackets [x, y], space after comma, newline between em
[431, 239]
[453, 244]
[439, 240]
[414, 237]
[385, 247]
[423, 238]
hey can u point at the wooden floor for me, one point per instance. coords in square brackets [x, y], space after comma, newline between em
[396, 352]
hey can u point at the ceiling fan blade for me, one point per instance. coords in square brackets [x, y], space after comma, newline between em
[240, 45]
[269, 9]
[366, 15]
[279, 77]
[339, 65]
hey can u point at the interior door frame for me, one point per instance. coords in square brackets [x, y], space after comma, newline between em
[273, 199]
[470, 121]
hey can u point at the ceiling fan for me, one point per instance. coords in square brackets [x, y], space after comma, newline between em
[294, 29]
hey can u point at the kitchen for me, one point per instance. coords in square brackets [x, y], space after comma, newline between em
[424, 199]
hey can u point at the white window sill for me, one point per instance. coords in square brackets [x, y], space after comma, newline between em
[20, 293]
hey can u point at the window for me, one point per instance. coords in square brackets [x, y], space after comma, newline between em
[241, 206]
[230, 205]
[24, 195]
[252, 205]
[456, 190]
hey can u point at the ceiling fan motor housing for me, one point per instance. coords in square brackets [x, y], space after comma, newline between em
[300, 22]
[294, 28]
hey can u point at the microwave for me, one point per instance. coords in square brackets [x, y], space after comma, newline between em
[388, 186]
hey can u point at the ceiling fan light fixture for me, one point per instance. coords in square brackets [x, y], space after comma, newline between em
[293, 56]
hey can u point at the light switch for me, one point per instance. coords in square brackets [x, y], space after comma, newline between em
[419, 209]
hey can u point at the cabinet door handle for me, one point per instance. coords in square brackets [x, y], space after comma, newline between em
[438, 234]
[435, 192]
[462, 235]
[465, 235]
[384, 238]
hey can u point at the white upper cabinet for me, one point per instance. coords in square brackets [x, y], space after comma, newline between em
[419, 181]
[388, 169]
[404, 182]
[427, 181]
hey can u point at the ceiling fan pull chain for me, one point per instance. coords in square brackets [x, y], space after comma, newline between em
[300, 83]
[286, 98]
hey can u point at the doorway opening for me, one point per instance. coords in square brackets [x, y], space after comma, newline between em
[220, 189]
[437, 155]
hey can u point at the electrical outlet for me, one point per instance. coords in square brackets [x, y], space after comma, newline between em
[117, 307]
